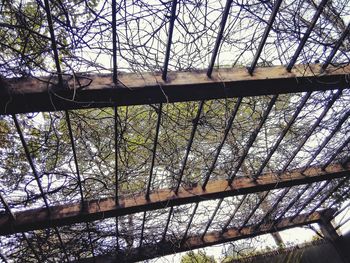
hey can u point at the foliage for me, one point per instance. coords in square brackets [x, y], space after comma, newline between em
[199, 257]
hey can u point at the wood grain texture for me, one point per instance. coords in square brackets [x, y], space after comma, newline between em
[94, 91]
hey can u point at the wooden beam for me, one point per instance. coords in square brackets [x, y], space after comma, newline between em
[66, 214]
[93, 91]
[213, 238]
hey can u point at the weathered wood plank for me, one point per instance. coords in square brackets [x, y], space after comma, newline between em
[66, 214]
[93, 91]
[213, 238]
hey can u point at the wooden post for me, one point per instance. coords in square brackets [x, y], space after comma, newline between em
[332, 236]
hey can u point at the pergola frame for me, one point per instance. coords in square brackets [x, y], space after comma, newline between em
[62, 92]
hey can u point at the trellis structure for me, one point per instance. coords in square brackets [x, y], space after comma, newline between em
[128, 166]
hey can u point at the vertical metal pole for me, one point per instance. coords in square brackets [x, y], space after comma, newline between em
[337, 46]
[265, 35]
[170, 36]
[306, 35]
[219, 37]
[154, 152]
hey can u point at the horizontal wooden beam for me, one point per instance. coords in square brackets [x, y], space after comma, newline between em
[94, 91]
[66, 214]
[173, 246]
